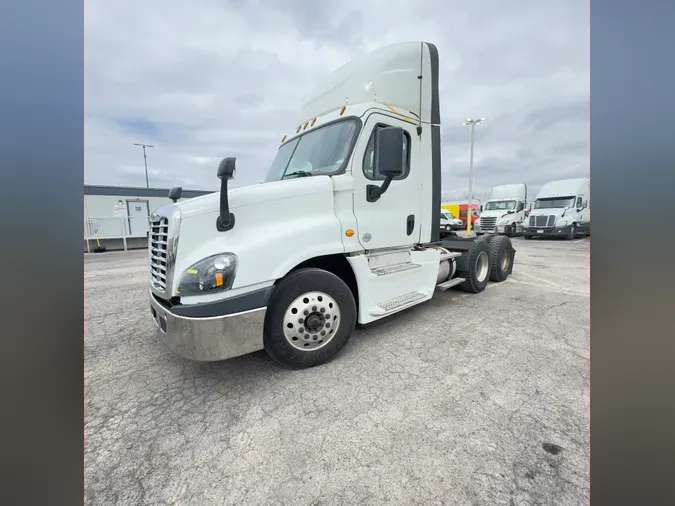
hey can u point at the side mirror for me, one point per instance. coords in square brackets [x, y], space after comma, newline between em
[481, 208]
[226, 171]
[389, 151]
[175, 193]
[227, 168]
[389, 161]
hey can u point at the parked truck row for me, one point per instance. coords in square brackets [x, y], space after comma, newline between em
[561, 209]
[345, 228]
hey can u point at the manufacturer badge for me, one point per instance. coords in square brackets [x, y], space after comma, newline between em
[366, 237]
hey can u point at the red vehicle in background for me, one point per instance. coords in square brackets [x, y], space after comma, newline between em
[474, 215]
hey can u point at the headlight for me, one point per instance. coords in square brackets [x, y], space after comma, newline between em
[503, 221]
[211, 275]
[562, 223]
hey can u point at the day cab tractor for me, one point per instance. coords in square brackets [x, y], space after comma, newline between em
[345, 229]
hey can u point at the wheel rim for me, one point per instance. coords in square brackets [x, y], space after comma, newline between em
[311, 321]
[505, 260]
[482, 264]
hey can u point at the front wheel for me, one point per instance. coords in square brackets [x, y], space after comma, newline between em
[572, 234]
[310, 317]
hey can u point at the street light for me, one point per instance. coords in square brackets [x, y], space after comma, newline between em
[145, 160]
[469, 213]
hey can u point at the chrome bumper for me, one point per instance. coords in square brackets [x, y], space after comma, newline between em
[212, 338]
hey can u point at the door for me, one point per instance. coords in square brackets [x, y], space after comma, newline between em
[394, 219]
[138, 217]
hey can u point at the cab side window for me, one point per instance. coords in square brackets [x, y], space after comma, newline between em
[578, 202]
[369, 157]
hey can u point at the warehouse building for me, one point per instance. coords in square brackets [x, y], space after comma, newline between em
[117, 216]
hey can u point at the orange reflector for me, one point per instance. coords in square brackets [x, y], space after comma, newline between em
[305, 127]
[283, 138]
[311, 123]
[298, 129]
[219, 279]
[342, 110]
[349, 232]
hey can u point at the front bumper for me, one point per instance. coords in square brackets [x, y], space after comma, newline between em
[547, 232]
[209, 338]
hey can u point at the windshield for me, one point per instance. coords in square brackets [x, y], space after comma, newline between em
[500, 205]
[554, 203]
[447, 215]
[321, 151]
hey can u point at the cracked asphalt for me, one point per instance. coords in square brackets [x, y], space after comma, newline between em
[466, 399]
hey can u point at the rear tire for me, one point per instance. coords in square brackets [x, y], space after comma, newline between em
[500, 258]
[297, 334]
[475, 267]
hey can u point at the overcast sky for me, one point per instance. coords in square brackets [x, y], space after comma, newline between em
[205, 79]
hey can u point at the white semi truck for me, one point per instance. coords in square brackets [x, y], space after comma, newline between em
[344, 229]
[562, 210]
[505, 211]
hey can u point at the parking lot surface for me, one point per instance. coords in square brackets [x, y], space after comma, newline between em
[466, 399]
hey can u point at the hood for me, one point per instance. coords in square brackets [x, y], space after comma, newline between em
[258, 194]
[547, 212]
[494, 214]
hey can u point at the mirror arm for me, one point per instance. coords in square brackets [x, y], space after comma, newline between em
[373, 193]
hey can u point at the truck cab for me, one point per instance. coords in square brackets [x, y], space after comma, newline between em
[562, 209]
[505, 210]
[345, 227]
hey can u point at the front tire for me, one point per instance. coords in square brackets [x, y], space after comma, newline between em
[310, 317]
[572, 233]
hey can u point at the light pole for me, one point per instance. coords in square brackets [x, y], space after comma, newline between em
[145, 160]
[469, 213]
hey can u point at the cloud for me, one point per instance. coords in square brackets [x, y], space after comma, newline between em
[206, 79]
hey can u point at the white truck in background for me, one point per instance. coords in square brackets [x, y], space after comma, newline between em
[449, 222]
[345, 228]
[562, 209]
[505, 211]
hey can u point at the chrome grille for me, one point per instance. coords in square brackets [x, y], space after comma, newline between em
[488, 223]
[542, 221]
[159, 252]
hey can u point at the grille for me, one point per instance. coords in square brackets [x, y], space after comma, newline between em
[542, 221]
[159, 252]
[488, 223]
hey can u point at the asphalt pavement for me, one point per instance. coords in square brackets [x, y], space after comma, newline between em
[465, 399]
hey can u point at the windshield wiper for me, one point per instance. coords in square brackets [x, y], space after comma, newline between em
[299, 173]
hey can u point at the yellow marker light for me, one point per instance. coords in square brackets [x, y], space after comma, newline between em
[219, 279]
[298, 129]
[283, 138]
[311, 123]
[305, 127]
[349, 232]
[343, 109]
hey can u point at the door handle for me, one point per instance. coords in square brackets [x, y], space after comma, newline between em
[410, 224]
